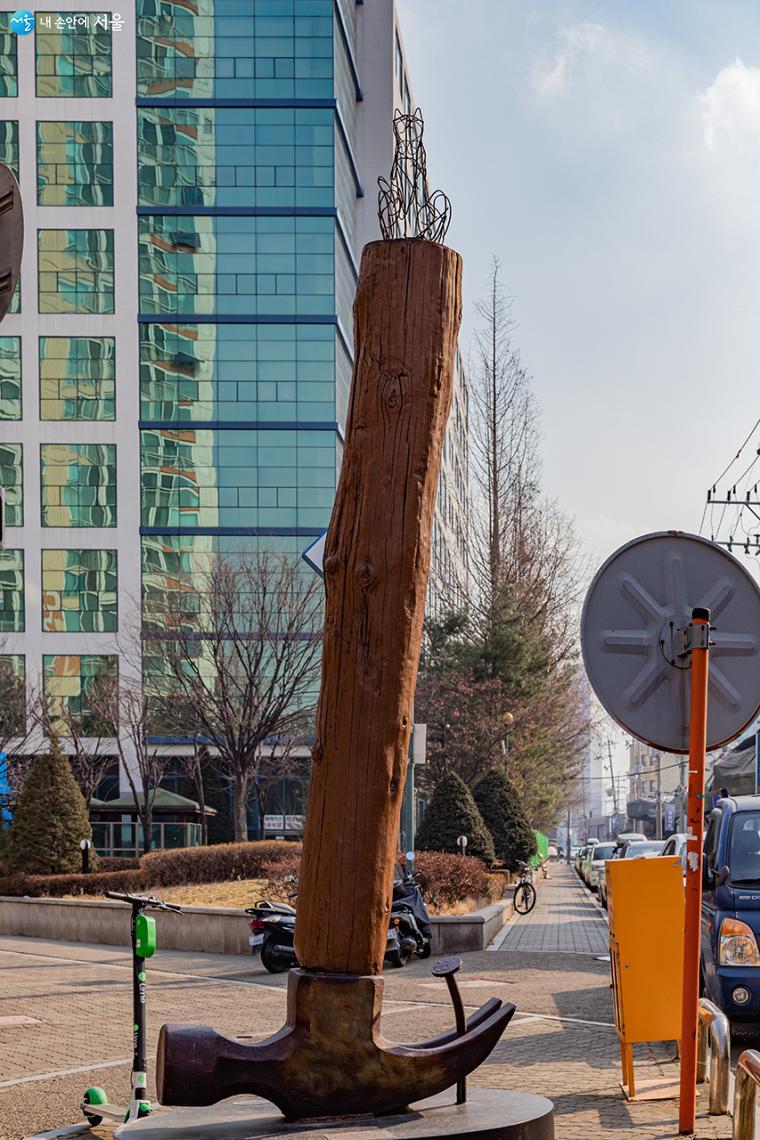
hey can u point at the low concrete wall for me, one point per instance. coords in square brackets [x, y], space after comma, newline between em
[217, 930]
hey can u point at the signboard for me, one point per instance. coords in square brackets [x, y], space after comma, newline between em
[314, 555]
[274, 823]
[5, 791]
[419, 743]
[294, 822]
[670, 817]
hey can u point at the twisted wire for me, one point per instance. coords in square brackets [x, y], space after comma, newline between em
[404, 205]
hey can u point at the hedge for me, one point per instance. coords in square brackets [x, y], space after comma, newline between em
[216, 864]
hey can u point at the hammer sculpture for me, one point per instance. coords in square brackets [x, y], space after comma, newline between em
[331, 1058]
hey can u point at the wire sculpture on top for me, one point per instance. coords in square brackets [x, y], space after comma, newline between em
[404, 205]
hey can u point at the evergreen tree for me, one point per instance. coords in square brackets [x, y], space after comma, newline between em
[503, 815]
[50, 819]
[452, 812]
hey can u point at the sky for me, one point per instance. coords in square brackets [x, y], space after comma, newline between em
[609, 155]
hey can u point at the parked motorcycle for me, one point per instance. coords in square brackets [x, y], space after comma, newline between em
[410, 918]
[273, 927]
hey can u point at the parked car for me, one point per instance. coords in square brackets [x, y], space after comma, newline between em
[676, 845]
[638, 849]
[599, 855]
[730, 957]
[583, 855]
[624, 843]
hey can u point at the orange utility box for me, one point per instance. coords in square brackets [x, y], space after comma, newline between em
[646, 916]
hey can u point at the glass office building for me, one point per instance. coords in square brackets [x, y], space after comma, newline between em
[174, 375]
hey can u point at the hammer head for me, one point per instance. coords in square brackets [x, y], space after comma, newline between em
[329, 1058]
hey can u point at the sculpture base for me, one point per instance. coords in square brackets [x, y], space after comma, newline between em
[489, 1114]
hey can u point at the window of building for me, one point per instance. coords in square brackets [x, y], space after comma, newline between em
[71, 683]
[9, 139]
[74, 164]
[8, 64]
[72, 56]
[11, 591]
[15, 305]
[79, 591]
[78, 484]
[399, 65]
[12, 482]
[237, 265]
[76, 271]
[10, 377]
[235, 156]
[77, 377]
[187, 53]
[230, 373]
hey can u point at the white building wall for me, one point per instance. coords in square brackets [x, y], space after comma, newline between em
[122, 324]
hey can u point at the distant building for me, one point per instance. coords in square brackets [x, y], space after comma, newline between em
[644, 764]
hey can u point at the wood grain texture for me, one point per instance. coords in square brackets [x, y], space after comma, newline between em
[377, 559]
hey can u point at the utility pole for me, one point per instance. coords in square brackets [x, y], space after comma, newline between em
[614, 785]
[658, 821]
[567, 851]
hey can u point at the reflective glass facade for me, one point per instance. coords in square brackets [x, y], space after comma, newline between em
[74, 164]
[12, 482]
[75, 271]
[68, 682]
[236, 266]
[226, 49]
[78, 484]
[235, 372]
[8, 60]
[240, 479]
[11, 591]
[9, 142]
[72, 56]
[10, 377]
[79, 591]
[245, 298]
[236, 156]
[77, 377]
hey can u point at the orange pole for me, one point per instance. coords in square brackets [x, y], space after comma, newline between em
[699, 630]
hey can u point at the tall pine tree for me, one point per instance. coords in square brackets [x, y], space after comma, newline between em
[503, 815]
[451, 813]
[50, 819]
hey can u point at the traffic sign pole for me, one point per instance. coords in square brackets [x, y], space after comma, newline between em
[699, 637]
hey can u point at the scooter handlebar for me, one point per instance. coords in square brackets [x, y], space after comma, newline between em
[147, 901]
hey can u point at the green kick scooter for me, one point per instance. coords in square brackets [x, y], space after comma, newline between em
[95, 1104]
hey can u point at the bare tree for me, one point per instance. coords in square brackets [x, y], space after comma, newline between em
[245, 667]
[19, 719]
[124, 704]
[87, 734]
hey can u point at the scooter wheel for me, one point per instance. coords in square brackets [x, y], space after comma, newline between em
[271, 961]
[426, 950]
[94, 1095]
[396, 958]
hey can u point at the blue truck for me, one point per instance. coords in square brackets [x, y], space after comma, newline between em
[730, 941]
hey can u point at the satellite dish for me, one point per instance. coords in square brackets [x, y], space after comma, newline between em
[634, 631]
[11, 237]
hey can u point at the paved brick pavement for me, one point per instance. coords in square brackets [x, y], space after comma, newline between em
[561, 1043]
[564, 920]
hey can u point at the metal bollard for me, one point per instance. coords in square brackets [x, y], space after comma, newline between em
[714, 1035]
[745, 1095]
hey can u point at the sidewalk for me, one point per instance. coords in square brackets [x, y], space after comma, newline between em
[561, 1043]
[563, 921]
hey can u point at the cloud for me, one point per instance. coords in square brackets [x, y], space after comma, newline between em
[575, 46]
[730, 109]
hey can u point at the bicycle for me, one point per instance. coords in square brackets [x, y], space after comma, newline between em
[525, 892]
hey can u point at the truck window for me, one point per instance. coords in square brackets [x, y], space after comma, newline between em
[744, 848]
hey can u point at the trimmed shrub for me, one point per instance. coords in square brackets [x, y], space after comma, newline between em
[448, 879]
[59, 886]
[116, 863]
[452, 812]
[220, 863]
[49, 820]
[513, 839]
